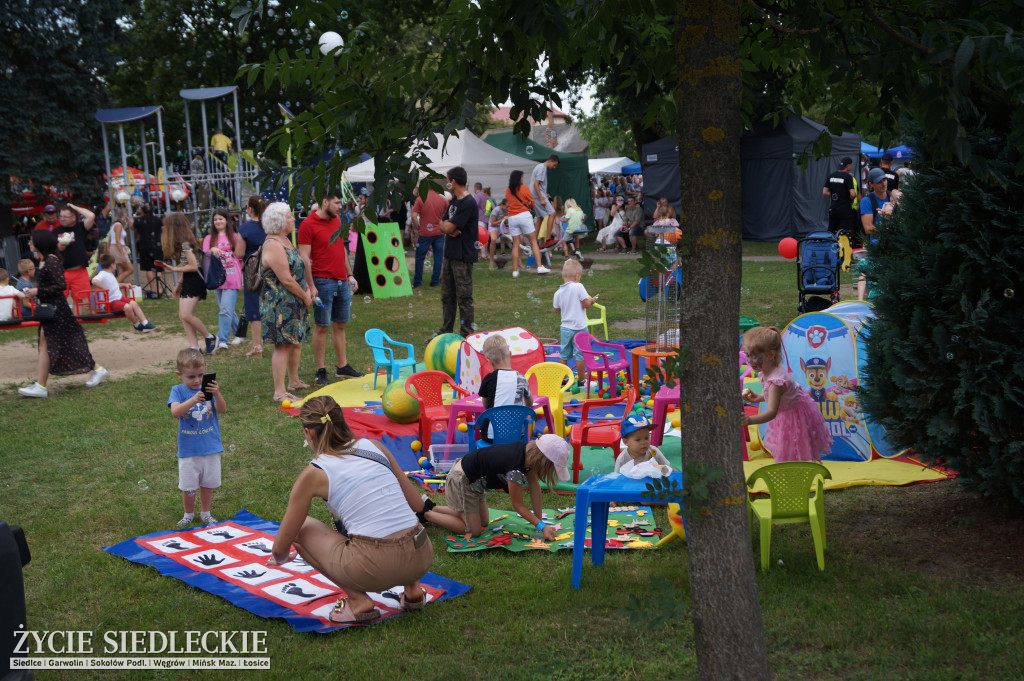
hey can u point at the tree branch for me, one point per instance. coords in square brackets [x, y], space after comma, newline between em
[778, 26]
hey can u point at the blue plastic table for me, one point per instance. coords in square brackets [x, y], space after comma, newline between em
[598, 492]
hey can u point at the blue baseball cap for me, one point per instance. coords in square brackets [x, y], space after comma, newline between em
[816, 362]
[634, 422]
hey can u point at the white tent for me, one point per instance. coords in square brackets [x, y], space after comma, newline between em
[483, 163]
[608, 166]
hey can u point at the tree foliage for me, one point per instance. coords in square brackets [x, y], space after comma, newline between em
[52, 66]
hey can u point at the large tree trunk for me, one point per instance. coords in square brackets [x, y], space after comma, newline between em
[726, 613]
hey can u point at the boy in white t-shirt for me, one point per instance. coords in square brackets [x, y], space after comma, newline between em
[571, 299]
[106, 279]
[7, 304]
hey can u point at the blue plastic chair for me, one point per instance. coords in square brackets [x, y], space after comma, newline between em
[385, 356]
[510, 423]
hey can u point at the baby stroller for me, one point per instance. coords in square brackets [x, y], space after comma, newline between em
[817, 270]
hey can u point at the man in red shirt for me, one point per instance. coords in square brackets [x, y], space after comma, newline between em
[426, 219]
[49, 220]
[333, 284]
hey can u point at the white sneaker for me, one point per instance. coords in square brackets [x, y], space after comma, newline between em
[96, 377]
[34, 390]
[222, 346]
[542, 270]
[236, 340]
[515, 274]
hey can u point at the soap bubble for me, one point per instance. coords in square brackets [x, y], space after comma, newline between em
[366, 386]
[366, 300]
[595, 471]
[167, 63]
[390, 404]
[516, 315]
[762, 269]
[131, 464]
[535, 321]
[343, 15]
[209, 54]
[529, 294]
[190, 492]
[410, 315]
[529, 149]
[615, 121]
[949, 355]
[476, 244]
[590, 273]
[419, 293]
[474, 326]
[231, 448]
[1008, 292]
[954, 338]
[143, 485]
[188, 62]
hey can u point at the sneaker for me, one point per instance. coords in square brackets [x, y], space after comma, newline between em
[34, 390]
[185, 521]
[147, 327]
[321, 377]
[347, 372]
[542, 270]
[138, 327]
[579, 256]
[96, 377]
[209, 520]
[222, 346]
[236, 340]
[211, 344]
[515, 274]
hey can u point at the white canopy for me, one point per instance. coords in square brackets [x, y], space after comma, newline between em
[483, 163]
[608, 166]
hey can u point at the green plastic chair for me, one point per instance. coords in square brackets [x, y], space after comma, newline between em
[790, 501]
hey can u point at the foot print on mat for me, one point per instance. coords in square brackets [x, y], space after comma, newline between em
[291, 589]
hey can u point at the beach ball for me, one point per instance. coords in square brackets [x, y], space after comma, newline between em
[330, 41]
[399, 406]
[787, 248]
[442, 353]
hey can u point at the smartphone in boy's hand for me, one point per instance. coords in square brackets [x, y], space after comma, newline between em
[208, 378]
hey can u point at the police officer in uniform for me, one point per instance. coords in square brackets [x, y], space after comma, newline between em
[841, 188]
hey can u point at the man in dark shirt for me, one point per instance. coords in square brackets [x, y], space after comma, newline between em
[891, 178]
[75, 221]
[148, 231]
[841, 188]
[460, 230]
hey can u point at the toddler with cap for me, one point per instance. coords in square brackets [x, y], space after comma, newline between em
[510, 466]
[636, 445]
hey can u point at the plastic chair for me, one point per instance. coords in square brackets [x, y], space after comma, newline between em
[501, 425]
[600, 431]
[662, 401]
[427, 388]
[385, 356]
[601, 321]
[552, 349]
[603, 358]
[788, 485]
[548, 379]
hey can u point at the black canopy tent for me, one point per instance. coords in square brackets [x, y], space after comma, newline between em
[780, 199]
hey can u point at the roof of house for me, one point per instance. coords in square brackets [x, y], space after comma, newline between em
[503, 114]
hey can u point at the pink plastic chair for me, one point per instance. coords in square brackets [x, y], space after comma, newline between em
[666, 396]
[604, 358]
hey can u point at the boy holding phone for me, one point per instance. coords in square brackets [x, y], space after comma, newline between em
[196, 403]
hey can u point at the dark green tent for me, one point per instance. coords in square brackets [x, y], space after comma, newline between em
[571, 179]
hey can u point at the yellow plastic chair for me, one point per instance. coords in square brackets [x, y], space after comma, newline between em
[601, 321]
[790, 501]
[547, 379]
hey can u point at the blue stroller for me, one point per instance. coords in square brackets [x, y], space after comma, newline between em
[817, 268]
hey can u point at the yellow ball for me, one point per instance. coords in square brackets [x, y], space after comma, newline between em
[755, 446]
[399, 406]
[287, 404]
[650, 403]
[674, 421]
[463, 427]
[423, 461]
[417, 445]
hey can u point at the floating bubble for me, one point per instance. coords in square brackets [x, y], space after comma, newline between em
[410, 315]
[249, 49]
[188, 62]
[366, 386]
[954, 338]
[367, 299]
[516, 315]
[209, 54]
[231, 448]
[167, 63]
[131, 464]
[474, 326]
[390, 404]
[590, 273]
[280, 31]
[615, 121]
[529, 149]
[1008, 292]
[476, 244]
[190, 492]
[256, 397]
[949, 355]
[419, 293]
[529, 294]
[762, 269]
[343, 15]
[536, 321]
[143, 485]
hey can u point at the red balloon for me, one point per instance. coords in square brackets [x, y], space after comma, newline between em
[787, 248]
[484, 235]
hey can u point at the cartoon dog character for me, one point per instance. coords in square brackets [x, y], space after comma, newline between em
[849, 410]
[816, 371]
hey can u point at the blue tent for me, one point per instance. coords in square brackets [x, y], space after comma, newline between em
[901, 151]
[632, 169]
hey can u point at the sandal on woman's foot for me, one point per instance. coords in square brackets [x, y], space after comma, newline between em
[413, 605]
[342, 614]
[257, 351]
[298, 386]
[286, 397]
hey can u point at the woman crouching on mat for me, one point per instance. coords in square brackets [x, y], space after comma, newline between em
[379, 542]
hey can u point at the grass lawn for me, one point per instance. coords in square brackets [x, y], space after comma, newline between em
[921, 582]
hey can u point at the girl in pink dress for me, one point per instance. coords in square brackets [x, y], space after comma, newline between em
[798, 431]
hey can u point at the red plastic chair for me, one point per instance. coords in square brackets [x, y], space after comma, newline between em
[427, 387]
[599, 431]
[604, 358]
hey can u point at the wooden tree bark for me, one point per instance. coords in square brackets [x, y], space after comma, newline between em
[726, 613]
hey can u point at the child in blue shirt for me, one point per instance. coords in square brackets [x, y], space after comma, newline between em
[199, 443]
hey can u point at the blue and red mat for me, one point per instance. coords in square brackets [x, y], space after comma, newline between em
[229, 560]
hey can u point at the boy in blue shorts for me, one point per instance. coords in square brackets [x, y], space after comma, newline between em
[571, 299]
[199, 443]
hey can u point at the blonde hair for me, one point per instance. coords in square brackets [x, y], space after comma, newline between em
[496, 349]
[571, 268]
[190, 358]
[324, 417]
[545, 467]
[571, 203]
[764, 340]
[177, 232]
[24, 264]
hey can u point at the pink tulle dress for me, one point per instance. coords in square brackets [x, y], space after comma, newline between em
[798, 432]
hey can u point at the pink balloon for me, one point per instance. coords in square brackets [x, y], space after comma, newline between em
[787, 248]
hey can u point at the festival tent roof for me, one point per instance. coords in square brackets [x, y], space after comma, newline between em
[632, 169]
[902, 151]
[612, 166]
[484, 163]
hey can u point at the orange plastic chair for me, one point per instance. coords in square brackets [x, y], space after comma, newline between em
[427, 387]
[548, 379]
[599, 431]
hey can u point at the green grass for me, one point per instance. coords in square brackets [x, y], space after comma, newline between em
[69, 472]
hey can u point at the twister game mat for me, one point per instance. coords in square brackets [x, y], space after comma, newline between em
[229, 560]
[629, 527]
